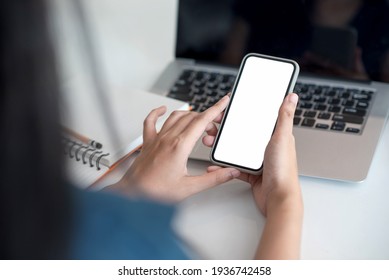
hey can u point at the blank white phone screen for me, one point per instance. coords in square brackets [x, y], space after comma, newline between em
[253, 112]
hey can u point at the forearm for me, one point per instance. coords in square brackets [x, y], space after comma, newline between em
[281, 236]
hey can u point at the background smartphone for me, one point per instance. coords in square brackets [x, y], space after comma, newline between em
[249, 120]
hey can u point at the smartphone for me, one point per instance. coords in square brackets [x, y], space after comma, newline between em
[250, 117]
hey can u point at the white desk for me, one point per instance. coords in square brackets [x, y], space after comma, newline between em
[342, 221]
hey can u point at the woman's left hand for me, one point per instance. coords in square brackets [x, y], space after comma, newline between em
[160, 171]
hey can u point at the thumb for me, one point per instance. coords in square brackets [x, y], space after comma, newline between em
[212, 179]
[286, 114]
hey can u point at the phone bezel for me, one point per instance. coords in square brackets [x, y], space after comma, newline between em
[290, 87]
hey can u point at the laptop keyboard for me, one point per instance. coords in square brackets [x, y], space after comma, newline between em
[320, 107]
[332, 108]
[201, 89]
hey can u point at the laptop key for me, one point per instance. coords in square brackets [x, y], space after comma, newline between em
[298, 112]
[212, 93]
[186, 74]
[225, 78]
[320, 107]
[308, 122]
[296, 120]
[305, 105]
[369, 92]
[348, 118]
[338, 126]
[310, 114]
[362, 105]
[348, 103]
[198, 83]
[317, 91]
[322, 126]
[320, 99]
[334, 109]
[352, 130]
[212, 85]
[200, 99]
[182, 97]
[355, 112]
[198, 91]
[224, 87]
[324, 116]
[305, 97]
[180, 89]
[334, 101]
[361, 96]
[304, 89]
[331, 93]
[353, 90]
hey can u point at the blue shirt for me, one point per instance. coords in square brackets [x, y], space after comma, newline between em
[107, 226]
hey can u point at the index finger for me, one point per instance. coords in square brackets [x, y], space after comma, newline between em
[196, 128]
[214, 112]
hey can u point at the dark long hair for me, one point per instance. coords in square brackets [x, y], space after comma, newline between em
[34, 201]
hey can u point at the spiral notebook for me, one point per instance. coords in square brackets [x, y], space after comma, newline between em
[86, 164]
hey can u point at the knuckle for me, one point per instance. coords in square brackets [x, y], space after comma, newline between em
[201, 117]
[287, 111]
[165, 140]
[173, 142]
[178, 140]
[193, 114]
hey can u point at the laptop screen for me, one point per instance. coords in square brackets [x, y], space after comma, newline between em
[342, 38]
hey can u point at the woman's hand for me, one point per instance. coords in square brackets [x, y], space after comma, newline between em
[278, 184]
[277, 191]
[160, 171]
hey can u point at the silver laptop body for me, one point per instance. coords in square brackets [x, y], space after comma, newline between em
[322, 153]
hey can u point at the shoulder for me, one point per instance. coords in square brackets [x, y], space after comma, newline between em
[107, 226]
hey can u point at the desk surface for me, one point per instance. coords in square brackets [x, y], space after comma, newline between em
[342, 221]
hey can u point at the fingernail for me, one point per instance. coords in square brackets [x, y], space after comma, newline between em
[293, 98]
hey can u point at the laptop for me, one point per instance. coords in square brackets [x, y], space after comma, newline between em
[343, 83]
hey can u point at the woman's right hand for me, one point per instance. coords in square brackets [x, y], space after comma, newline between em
[277, 191]
[278, 185]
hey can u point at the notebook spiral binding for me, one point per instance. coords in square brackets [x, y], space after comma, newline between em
[84, 153]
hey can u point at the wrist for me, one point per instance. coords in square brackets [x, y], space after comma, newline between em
[290, 203]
